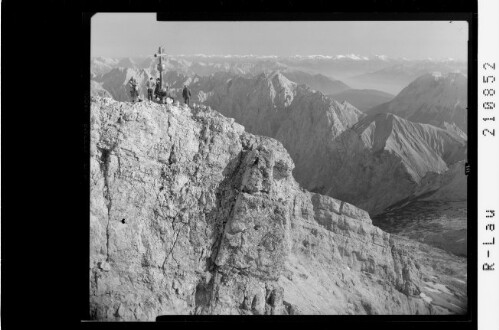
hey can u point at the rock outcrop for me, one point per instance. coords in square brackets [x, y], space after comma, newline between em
[192, 215]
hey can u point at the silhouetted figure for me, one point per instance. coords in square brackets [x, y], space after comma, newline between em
[186, 93]
[157, 90]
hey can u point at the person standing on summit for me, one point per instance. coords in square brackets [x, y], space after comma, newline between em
[134, 92]
[157, 90]
[150, 87]
[186, 93]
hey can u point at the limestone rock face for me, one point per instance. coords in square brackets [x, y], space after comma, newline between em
[192, 215]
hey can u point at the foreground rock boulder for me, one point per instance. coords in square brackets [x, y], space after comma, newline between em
[190, 214]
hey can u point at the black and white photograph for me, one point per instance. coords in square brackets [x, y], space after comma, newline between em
[277, 167]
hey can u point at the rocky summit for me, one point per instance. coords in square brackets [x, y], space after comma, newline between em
[190, 214]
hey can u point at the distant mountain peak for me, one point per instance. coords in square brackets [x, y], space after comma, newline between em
[280, 79]
[434, 98]
[436, 74]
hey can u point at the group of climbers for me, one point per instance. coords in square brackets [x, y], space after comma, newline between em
[155, 92]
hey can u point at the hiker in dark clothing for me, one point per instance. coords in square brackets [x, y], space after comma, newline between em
[157, 90]
[150, 87]
[186, 93]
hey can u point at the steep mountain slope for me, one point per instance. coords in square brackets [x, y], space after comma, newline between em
[452, 186]
[192, 215]
[363, 99]
[319, 82]
[435, 214]
[305, 121]
[383, 159]
[434, 99]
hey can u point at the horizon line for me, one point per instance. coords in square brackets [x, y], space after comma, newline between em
[352, 56]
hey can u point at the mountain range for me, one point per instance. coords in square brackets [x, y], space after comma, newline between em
[383, 159]
[393, 79]
[377, 72]
[318, 131]
[323, 84]
[332, 142]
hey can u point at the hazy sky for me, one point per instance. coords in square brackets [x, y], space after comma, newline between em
[128, 35]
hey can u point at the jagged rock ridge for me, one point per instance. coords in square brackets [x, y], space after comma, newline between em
[192, 215]
[304, 120]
